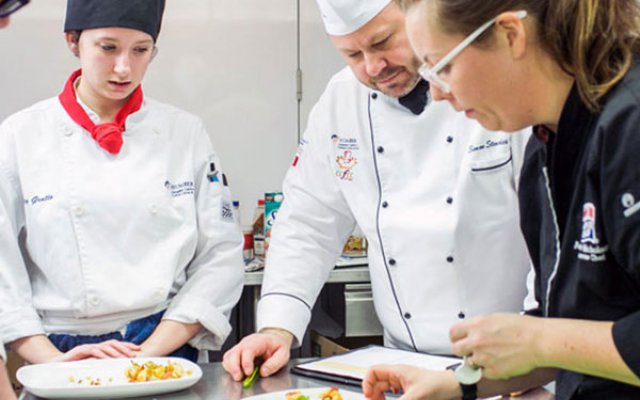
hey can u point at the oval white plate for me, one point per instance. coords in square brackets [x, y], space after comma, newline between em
[53, 380]
[311, 393]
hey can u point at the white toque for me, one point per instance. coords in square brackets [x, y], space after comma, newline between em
[342, 17]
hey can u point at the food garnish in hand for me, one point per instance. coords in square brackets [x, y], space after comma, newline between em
[248, 381]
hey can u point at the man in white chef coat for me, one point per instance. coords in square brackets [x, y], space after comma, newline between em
[434, 193]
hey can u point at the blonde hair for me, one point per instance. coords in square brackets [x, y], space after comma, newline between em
[595, 41]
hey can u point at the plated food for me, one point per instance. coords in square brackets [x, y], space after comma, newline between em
[332, 393]
[150, 371]
[309, 393]
[110, 378]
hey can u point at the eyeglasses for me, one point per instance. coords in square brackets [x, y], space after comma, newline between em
[8, 7]
[431, 74]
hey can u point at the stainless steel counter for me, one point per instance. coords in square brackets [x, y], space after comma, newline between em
[216, 384]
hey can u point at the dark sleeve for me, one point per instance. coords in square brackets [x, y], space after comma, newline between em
[625, 337]
[620, 183]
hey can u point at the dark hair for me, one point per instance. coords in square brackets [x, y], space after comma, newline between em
[595, 41]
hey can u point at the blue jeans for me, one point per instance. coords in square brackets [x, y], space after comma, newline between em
[136, 332]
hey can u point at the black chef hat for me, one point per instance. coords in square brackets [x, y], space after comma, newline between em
[143, 15]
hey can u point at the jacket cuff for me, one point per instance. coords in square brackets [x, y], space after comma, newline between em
[625, 336]
[19, 323]
[190, 310]
[285, 312]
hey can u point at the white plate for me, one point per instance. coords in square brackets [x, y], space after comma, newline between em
[53, 380]
[312, 393]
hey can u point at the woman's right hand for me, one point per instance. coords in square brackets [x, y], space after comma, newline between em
[109, 349]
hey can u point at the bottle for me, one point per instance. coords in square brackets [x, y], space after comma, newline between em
[258, 229]
[247, 248]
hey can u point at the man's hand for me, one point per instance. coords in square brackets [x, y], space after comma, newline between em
[271, 345]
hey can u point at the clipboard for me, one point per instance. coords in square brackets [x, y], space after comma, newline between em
[350, 368]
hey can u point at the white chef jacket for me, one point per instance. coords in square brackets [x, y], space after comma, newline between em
[103, 239]
[435, 195]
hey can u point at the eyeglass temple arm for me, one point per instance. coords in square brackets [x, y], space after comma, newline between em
[473, 36]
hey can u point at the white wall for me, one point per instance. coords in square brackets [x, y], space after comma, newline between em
[319, 59]
[231, 62]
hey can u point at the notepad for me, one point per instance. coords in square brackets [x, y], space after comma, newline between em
[351, 367]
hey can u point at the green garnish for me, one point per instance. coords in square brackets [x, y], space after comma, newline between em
[248, 381]
[303, 398]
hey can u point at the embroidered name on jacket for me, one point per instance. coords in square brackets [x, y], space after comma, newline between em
[589, 247]
[180, 189]
[39, 199]
[487, 145]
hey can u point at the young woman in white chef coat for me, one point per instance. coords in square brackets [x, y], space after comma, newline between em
[117, 236]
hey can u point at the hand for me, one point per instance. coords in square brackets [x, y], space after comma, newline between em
[416, 383]
[6, 391]
[108, 349]
[504, 345]
[272, 345]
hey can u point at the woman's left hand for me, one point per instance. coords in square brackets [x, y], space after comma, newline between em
[107, 349]
[504, 345]
[415, 383]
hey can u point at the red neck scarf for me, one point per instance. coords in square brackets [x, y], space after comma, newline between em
[109, 134]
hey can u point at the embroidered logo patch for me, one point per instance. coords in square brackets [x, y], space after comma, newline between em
[589, 224]
[299, 151]
[212, 175]
[588, 247]
[629, 204]
[346, 162]
[227, 211]
[180, 189]
[347, 143]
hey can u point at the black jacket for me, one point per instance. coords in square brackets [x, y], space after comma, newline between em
[580, 214]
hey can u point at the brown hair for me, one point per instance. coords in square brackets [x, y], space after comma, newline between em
[595, 41]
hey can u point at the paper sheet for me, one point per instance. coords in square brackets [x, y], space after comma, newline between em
[355, 364]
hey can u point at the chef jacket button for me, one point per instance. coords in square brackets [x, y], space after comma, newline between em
[407, 315]
[79, 210]
[380, 149]
[385, 204]
[392, 261]
[449, 139]
[450, 259]
[94, 301]
[68, 131]
[158, 295]
[153, 209]
[374, 95]
[461, 315]
[449, 200]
